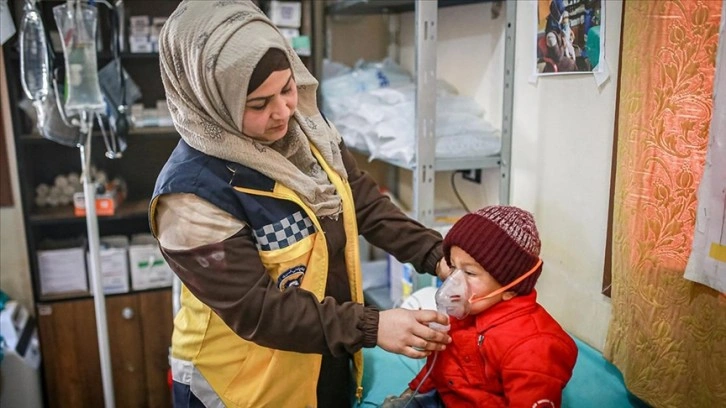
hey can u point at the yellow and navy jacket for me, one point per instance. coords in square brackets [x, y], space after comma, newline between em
[222, 368]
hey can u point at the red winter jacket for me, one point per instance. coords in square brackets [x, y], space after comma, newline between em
[511, 355]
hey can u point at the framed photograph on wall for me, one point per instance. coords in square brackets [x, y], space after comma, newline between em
[570, 36]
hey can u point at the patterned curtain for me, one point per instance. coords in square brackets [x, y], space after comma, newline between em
[668, 334]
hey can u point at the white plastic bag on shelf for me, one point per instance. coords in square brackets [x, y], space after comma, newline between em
[457, 146]
[380, 117]
[387, 71]
[364, 77]
[333, 69]
[350, 131]
[474, 144]
[451, 123]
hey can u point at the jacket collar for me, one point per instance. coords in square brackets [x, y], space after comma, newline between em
[245, 177]
[506, 310]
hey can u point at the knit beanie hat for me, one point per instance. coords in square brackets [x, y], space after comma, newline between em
[503, 240]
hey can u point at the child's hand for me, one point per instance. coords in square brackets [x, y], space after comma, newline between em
[406, 394]
[397, 402]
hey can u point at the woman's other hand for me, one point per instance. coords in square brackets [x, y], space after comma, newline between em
[407, 332]
[442, 269]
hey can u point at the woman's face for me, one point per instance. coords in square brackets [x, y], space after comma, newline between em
[270, 107]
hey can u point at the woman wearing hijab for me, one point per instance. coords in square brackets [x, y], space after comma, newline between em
[258, 212]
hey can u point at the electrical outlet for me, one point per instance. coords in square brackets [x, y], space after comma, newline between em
[473, 175]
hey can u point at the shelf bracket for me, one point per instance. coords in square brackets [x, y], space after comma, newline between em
[423, 175]
[426, 33]
[508, 104]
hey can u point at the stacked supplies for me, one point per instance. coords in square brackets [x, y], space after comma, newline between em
[373, 107]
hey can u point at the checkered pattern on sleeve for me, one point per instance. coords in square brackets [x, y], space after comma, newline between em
[285, 232]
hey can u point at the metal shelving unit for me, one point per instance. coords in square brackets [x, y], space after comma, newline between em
[446, 163]
[361, 7]
[426, 164]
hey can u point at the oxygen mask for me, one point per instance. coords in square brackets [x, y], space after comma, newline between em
[452, 297]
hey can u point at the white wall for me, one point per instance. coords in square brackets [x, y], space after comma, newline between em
[14, 267]
[561, 153]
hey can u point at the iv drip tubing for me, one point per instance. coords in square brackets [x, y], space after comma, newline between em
[423, 380]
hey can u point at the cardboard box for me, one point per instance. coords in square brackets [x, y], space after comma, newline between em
[106, 203]
[140, 44]
[285, 13]
[114, 260]
[139, 25]
[156, 24]
[148, 267]
[62, 271]
[301, 45]
[289, 33]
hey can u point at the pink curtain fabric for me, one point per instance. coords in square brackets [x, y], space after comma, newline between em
[668, 334]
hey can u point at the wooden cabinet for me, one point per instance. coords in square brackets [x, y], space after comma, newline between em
[140, 328]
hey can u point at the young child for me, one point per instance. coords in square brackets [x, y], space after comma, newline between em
[568, 36]
[508, 351]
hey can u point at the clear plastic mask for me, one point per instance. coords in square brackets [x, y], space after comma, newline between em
[453, 296]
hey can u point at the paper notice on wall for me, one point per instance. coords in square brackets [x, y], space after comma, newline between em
[570, 38]
[707, 263]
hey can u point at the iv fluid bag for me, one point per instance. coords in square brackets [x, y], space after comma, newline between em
[33, 55]
[51, 124]
[77, 27]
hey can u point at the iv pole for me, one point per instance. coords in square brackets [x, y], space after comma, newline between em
[94, 247]
[99, 299]
[85, 124]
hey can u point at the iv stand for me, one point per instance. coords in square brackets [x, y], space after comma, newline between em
[99, 299]
[85, 125]
[37, 90]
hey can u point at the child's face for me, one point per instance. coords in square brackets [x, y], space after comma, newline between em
[480, 282]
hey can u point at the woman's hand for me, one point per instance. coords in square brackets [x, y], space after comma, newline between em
[407, 332]
[442, 269]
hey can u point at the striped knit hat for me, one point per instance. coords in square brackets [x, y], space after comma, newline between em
[502, 239]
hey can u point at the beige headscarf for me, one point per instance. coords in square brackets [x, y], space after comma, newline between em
[208, 50]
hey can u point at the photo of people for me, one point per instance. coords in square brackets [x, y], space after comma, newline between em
[568, 36]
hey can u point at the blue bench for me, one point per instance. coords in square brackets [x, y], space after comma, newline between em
[595, 382]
